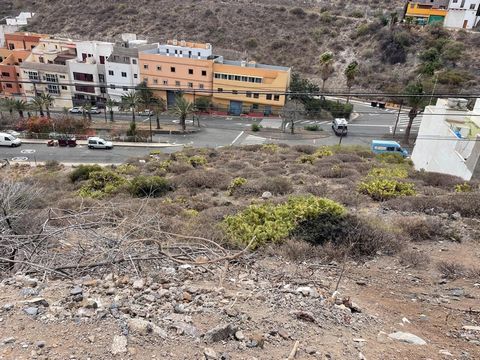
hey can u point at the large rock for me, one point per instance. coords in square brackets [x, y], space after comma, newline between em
[138, 284]
[144, 327]
[407, 337]
[219, 333]
[119, 344]
[210, 354]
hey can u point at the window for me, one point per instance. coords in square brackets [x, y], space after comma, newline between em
[165, 82]
[269, 96]
[5, 74]
[110, 72]
[11, 46]
[176, 52]
[64, 87]
[126, 59]
[190, 71]
[155, 81]
[125, 89]
[145, 66]
[276, 97]
[101, 78]
[224, 76]
[168, 51]
[198, 53]
[234, 92]
[9, 86]
[249, 94]
[172, 69]
[258, 80]
[255, 106]
[53, 89]
[190, 85]
[244, 78]
[124, 74]
[251, 79]
[135, 76]
[255, 95]
[112, 87]
[20, 60]
[83, 88]
[134, 61]
[220, 90]
[51, 78]
[177, 83]
[103, 90]
[32, 75]
[237, 77]
[102, 59]
[216, 76]
[200, 86]
[41, 59]
[83, 77]
[62, 76]
[472, 6]
[204, 72]
[181, 52]
[159, 68]
[19, 86]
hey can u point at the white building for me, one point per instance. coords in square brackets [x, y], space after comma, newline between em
[21, 19]
[87, 72]
[463, 14]
[448, 140]
[121, 67]
[185, 49]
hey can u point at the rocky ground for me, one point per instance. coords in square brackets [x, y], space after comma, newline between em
[260, 307]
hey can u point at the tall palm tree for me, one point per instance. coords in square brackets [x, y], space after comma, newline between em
[20, 106]
[47, 102]
[37, 105]
[182, 109]
[350, 73]
[415, 101]
[110, 104]
[159, 107]
[131, 101]
[326, 67]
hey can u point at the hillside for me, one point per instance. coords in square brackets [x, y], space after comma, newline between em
[239, 253]
[286, 32]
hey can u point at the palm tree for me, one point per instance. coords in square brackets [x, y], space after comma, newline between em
[8, 104]
[350, 73]
[414, 100]
[131, 101]
[326, 67]
[87, 108]
[20, 106]
[37, 105]
[182, 109]
[47, 102]
[159, 107]
[110, 104]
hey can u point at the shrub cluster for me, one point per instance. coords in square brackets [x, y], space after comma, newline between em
[384, 189]
[235, 184]
[82, 172]
[149, 186]
[102, 183]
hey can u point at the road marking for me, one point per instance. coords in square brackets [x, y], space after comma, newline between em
[253, 140]
[20, 158]
[27, 151]
[323, 122]
[369, 125]
[233, 142]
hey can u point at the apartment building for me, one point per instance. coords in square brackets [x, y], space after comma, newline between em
[122, 66]
[427, 11]
[46, 70]
[448, 140]
[87, 72]
[178, 66]
[463, 14]
[249, 87]
[22, 40]
[10, 61]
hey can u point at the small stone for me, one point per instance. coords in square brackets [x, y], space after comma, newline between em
[77, 290]
[471, 328]
[256, 340]
[407, 337]
[9, 340]
[39, 301]
[149, 298]
[442, 282]
[231, 312]
[361, 356]
[219, 333]
[310, 350]
[91, 338]
[138, 284]
[144, 327]
[40, 344]
[283, 333]
[110, 291]
[90, 304]
[456, 216]
[457, 292]
[307, 291]
[239, 335]
[90, 282]
[8, 307]
[210, 354]
[266, 195]
[31, 310]
[361, 282]
[77, 298]
[423, 317]
[119, 344]
[179, 308]
[445, 353]
[187, 296]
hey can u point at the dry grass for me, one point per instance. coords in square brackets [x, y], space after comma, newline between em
[451, 270]
[415, 259]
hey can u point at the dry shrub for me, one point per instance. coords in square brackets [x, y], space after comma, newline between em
[236, 165]
[423, 229]
[338, 171]
[252, 148]
[464, 203]
[451, 270]
[348, 157]
[305, 149]
[320, 189]
[278, 185]
[415, 259]
[295, 250]
[203, 179]
[349, 198]
[75, 203]
[437, 179]
[178, 167]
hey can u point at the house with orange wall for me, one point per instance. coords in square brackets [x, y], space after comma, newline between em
[10, 61]
[22, 40]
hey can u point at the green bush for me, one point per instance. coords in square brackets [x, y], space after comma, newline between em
[323, 151]
[235, 184]
[270, 148]
[391, 158]
[203, 104]
[83, 172]
[197, 160]
[149, 186]
[256, 127]
[384, 189]
[312, 128]
[127, 169]
[304, 159]
[465, 187]
[102, 183]
[391, 172]
[272, 223]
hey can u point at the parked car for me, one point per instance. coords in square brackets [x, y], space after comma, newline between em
[9, 140]
[75, 110]
[388, 146]
[340, 126]
[13, 132]
[99, 143]
[95, 110]
[146, 113]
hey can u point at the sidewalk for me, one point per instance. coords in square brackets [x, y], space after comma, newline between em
[115, 143]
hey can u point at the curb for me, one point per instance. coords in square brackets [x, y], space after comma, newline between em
[119, 144]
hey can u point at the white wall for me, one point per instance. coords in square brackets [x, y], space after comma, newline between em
[94, 48]
[21, 19]
[183, 51]
[457, 14]
[118, 80]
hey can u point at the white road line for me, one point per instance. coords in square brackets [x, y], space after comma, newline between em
[233, 142]
[323, 122]
[369, 125]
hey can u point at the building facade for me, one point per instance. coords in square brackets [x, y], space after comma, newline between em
[22, 40]
[247, 87]
[122, 66]
[46, 71]
[448, 140]
[87, 72]
[463, 14]
[10, 61]
[425, 12]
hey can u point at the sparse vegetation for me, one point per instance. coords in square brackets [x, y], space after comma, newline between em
[384, 189]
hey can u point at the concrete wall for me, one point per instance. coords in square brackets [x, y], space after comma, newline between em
[6, 29]
[120, 81]
[186, 50]
[457, 15]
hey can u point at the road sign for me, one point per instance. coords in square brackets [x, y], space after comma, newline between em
[28, 151]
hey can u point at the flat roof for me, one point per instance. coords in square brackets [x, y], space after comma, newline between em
[255, 65]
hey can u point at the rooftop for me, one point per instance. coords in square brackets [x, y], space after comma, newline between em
[183, 43]
[255, 65]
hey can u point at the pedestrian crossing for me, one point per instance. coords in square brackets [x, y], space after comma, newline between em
[253, 140]
[403, 123]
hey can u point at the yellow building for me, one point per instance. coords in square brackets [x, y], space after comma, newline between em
[427, 11]
[247, 87]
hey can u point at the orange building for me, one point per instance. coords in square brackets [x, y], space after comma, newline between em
[22, 40]
[171, 68]
[10, 61]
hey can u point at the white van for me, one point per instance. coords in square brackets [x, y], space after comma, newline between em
[99, 143]
[9, 140]
[340, 126]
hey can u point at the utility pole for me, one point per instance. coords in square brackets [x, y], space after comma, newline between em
[341, 136]
[433, 90]
[150, 122]
[398, 117]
